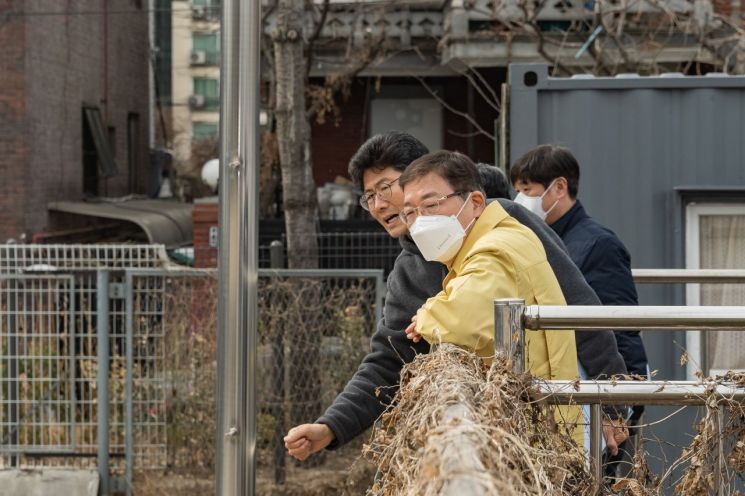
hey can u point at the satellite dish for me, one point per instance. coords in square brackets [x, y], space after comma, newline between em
[211, 173]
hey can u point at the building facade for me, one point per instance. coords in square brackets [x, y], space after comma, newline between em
[195, 66]
[422, 84]
[74, 106]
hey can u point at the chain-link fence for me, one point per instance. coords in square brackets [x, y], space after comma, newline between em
[314, 329]
[48, 331]
[347, 250]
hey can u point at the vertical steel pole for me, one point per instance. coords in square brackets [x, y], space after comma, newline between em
[102, 388]
[721, 462]
[509, 332]
[13, 384]
[277, 261]
[596, 444]
[379, 297]
[129, 386]
[238, 255]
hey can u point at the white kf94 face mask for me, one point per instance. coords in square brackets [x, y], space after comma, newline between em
[439, 237]
[535, 203]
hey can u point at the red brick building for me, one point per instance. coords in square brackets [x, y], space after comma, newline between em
[73, 106]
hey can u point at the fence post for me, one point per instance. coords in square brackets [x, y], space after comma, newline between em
[13, 367]
[721, 482]
[277, 261]
[129, 385]
[379, 296]
[509, 332]
[102, 393]
[596, 445]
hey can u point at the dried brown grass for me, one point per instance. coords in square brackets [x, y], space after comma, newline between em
[459, 426]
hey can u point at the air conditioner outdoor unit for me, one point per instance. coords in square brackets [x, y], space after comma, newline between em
[199, 12]
[198, 57]
[196, 101]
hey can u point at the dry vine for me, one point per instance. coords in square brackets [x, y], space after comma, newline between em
[458, 427]
[512, 447]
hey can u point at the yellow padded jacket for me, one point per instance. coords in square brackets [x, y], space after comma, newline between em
[500, 258]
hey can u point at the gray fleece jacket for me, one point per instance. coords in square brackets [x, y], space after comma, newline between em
[411, 282]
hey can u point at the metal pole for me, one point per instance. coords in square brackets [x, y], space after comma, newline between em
[509, 335]
[721, 480]
[238, 256]
[699, 276]
[13, 367]
[277, 260]
[564, 392]
[379, 296]
[129, 386]
[634, 317]
[102, 388]
[596, 429]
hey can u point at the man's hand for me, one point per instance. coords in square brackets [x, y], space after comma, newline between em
[615, 432]
[304, 440]
[411, 331]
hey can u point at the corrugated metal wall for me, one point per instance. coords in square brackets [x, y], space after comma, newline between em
[647, 146]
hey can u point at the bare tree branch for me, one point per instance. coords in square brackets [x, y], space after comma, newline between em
[312, 40]
[450, 108]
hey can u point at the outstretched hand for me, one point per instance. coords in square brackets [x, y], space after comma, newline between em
[615, 433]
[307, 439]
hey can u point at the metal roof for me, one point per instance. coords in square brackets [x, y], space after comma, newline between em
[163, 221]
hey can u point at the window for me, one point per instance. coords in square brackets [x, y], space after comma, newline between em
[204, 130]
[205, 9]
[715, 239]
[208, 89]
[205, 49]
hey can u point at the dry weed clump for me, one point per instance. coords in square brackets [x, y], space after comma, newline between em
[458, 426]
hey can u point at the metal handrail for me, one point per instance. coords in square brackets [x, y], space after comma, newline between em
[635, 392]
[698, 276]
[584, 318]
[512, 318]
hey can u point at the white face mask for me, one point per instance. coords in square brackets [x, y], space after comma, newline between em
[439, 237]
[535, 203]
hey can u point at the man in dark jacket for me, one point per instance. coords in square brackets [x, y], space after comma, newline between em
[376, 167]
[547, 181]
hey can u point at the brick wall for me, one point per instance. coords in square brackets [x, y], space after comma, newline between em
[64, 62]
[205, 216]
[334, 145]
[13, 144]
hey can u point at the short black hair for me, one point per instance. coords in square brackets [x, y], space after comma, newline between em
[395, 149]
[493, 181]
[455, 168]
[543, 164]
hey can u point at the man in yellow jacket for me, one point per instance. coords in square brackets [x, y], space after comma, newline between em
[489, 255]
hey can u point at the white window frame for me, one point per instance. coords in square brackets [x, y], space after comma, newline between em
[694, 211]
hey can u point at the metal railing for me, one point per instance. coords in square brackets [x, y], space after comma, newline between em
[513, 318]
[696, 347]
[685, 276]
[85, 374]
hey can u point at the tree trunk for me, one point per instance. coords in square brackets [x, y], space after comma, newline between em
[293, 136]
[300, 205]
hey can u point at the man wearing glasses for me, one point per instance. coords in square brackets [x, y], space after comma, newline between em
[376, 168]
[488, 254]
